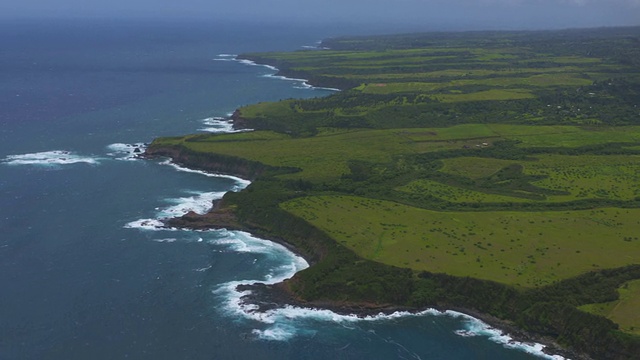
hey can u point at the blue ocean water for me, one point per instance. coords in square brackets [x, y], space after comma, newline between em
[84, 272]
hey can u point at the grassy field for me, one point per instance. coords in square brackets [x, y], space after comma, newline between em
[518, 248]
[585, 176]
[623, 311]
[326, 155]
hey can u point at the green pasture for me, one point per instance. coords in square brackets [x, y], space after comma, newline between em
[488, 95]
[542, 80]
[526, 249]
[589, 176]
[322, 157]
[326, 155]
[456, 194]
[615, 177]
[569, 136]
[623, 311]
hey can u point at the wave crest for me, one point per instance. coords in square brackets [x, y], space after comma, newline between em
[49, 158]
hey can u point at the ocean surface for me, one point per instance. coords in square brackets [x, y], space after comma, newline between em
[84, 271]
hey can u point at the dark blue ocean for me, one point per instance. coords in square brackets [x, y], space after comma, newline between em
[85, 273]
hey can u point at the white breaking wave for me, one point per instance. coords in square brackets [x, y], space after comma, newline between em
[241, 183]
[145, 224]
[475, 327]
[122, 151]
[220, 125]
[303, 82]
[226, 57]
[49, 158]
[284, 323]
[199, 202]
[167, 240]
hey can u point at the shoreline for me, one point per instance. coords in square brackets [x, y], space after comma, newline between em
[271, 296]
[268, 297]
[280, 74]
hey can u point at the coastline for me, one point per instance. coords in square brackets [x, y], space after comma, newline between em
[280, 73]
[265, 297]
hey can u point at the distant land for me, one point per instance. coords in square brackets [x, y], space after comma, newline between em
[495, 173]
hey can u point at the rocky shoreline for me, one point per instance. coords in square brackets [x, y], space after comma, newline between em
[268, 297]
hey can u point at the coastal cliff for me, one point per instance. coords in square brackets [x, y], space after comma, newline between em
[341, 281]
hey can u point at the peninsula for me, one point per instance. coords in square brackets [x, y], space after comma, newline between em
[496, 173]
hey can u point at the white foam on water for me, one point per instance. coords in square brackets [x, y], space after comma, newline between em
[167, 240]
[49, 158]
[226, 57]
[303, 82]
[128, 152]
[220, 125]
[145, 224]
[476, 327]
[240, 183]
[199, 202]
[284, 323]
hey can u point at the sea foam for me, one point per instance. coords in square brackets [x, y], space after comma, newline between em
[220, 125]
[303, 83]
[240, 183]
[198, 201]
[475, 327]
[286, 322]
[49, 158]
[129, 152]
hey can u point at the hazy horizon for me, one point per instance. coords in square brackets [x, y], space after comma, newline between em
[400, 14]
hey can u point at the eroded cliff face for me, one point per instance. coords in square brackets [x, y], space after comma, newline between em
[214, 163]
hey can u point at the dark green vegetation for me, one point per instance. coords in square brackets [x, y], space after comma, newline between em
[495, 172]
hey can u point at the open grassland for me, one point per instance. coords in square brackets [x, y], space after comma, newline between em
[613, 177]
[321, 158]
[623, 311]
[488, 95]
[326, 155]
[518, 248]
[432, 80]
[456, 194]
[542, 80]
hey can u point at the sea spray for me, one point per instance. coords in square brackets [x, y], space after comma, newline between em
[221, 125]
[128, 152]
[50, 158]
[302, 83]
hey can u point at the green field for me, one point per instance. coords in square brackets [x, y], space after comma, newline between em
[325, 156]
[623, 311]
[584, 176]
[518, 248]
